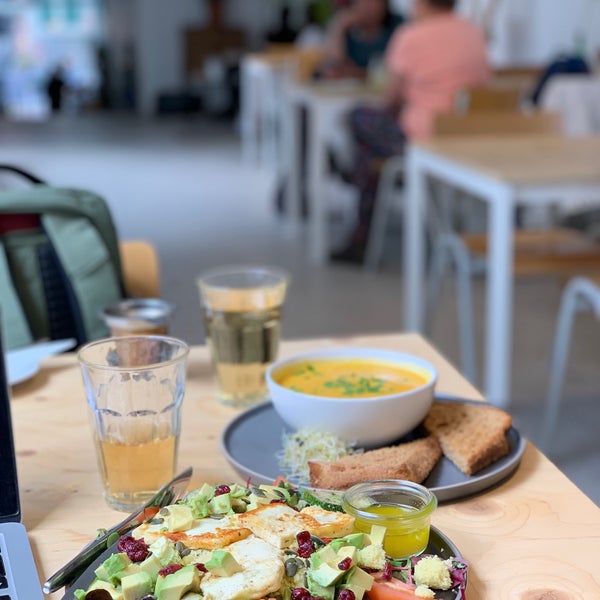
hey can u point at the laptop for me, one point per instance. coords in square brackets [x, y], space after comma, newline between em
[18, 577]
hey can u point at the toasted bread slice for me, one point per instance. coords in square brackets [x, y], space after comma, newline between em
[471, 436]
[412, 461]
[278, 523]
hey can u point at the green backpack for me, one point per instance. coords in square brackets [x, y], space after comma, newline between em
[56, 276]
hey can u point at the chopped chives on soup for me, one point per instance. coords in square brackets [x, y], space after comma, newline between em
[350, 378]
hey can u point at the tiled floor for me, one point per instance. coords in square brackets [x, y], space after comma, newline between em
[181, 184]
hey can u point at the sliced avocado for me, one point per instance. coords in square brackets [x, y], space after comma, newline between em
[180, 517]
[112, 566]
[316, 589]
[353, 539]
[326, 574]
[350, 552]
[165, 551]
[358, 577]
[377, 534]
[275, 492]
[356, 589]
[238, 491]
[131, 569]
[175, 585]
[222, 563]
[326, 554]
[98, 584]
[135, 586]
[206, 490]
[220, 504]
[151, 565]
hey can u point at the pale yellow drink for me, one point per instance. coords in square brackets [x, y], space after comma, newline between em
[131, 473]
[134, 389]
[242, 316]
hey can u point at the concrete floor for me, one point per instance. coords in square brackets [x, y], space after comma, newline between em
[181, 184]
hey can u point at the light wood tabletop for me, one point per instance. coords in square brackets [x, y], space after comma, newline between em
[531, 159]
[534, 536]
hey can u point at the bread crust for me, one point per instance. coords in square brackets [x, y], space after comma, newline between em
[471, 436]
[412, 461]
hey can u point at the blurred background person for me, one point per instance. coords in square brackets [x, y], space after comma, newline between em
[428, 61]
[359, 33]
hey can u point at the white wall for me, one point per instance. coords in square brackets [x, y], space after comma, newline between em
[526, 32]
[159, 47]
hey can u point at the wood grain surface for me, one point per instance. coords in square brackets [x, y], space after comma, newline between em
[533, 537]
[526, 159]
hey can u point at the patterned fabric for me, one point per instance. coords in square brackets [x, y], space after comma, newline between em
[377, 136]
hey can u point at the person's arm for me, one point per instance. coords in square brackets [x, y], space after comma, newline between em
[394, 94]
[335, 44]
[397, 61]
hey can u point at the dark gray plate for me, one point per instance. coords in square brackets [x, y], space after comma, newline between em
[252, 440]
[438, 544]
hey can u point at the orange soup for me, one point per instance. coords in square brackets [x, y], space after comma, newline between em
[350, 378]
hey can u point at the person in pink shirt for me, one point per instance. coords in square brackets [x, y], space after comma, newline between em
[428, 62]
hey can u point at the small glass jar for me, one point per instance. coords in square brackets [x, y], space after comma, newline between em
[404, 508]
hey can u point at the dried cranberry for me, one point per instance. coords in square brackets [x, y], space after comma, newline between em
[345, 564]
[346, 595]
[201, 567]
[387, 572]
[277, 501]
[303, 536]
[222, 489]
[137, 550]
[301, 594]
[172, 568]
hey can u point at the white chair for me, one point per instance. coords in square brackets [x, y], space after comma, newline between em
[580, 294]
[389, 197]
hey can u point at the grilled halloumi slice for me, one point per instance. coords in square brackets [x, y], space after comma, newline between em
[205, 534]
[278, 523]
[262, 573]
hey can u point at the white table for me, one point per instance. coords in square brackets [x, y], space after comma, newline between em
[577, 99]
[326, 103]
[503, 172]
[262, 77]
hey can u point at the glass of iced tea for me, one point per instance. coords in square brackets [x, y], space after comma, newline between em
[242, 316]
[134, 388]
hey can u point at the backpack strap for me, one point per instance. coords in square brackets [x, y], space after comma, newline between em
[90, 275]
[14, 322]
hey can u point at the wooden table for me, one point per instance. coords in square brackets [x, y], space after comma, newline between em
[535, 534]
[504, 172]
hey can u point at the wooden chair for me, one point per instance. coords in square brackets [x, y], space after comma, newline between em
[560, 252]
[486, 99]
[141, 271]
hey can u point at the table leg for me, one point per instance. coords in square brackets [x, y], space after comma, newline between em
[316, 174]
[414, 241]
[499, 299]
[292, 144]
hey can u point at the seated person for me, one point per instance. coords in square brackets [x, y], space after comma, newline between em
[428, 62]
[358, 34]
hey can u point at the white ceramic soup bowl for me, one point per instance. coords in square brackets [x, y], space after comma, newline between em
[373, 421]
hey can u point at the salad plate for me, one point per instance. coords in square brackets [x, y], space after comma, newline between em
[252, 441]
[439, 544]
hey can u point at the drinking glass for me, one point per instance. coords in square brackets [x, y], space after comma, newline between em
[242, 316]
[134, 388]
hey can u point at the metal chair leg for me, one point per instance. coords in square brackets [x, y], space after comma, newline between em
[437, 272]
[386, 189]
[464, 274]
[580, 293]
